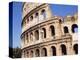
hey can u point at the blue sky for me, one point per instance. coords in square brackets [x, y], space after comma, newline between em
[17, 18]
[63, 10]
[59, 10]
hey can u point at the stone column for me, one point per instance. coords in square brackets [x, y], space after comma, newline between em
[29, 54]
[29, 37]
[39, 34]
[69, 48]
[40, 52]
[33, 52]
[58, 50]
[38, 17]
[33, 36]
[22, 54]
[48, 11]
[48, 51]
[48, 32]
[26, 54]
[57, 27]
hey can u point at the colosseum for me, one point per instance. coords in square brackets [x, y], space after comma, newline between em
[44, 34]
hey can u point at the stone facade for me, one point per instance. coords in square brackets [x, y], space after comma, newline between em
[44, 34]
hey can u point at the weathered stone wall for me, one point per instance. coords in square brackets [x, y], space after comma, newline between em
[62, 42]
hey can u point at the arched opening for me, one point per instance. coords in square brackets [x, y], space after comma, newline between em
[27, 54]
[24, 53]
[43, 33]
[31, 36]
[31, 54]
[31, 18]
[37, 53]
[74, 28]
[43, 13]
[27, 37]
[44, 52]
[27, 20]
[75, 47]
[66, 29]
[60, 20]
[37, 16]
[37, 35]
[63, 49]
[52, 29]
[53, 51]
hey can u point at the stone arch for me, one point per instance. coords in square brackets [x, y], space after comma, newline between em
[27, 54]
[31, 53]
[37, 16]
[75, 48]
[66, 29]
[31, 18]
[60, 20]
[37, 53]
[31, 36]
[44, 52]
[74, 28]
[43, 13]
[37, 35]
[63, 49]
[52, 30]
[27, 20]
[53, 50]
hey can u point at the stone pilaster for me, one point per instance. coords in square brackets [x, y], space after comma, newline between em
[58, 50]
[69, 48]
[48, 51]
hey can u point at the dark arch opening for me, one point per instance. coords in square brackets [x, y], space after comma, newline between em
[53, 51]
[37, 35]
[27, 37]
[31, 36]
[60, 20]
[27, 54]
[66, 29]
[75, 47]
[44, 52]
[27, 20]
[31, 18]
[43, 12]
[37, 53]
[74, 28]
[36, 14]
[63, 48]
[32, 54]
[52, 30]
